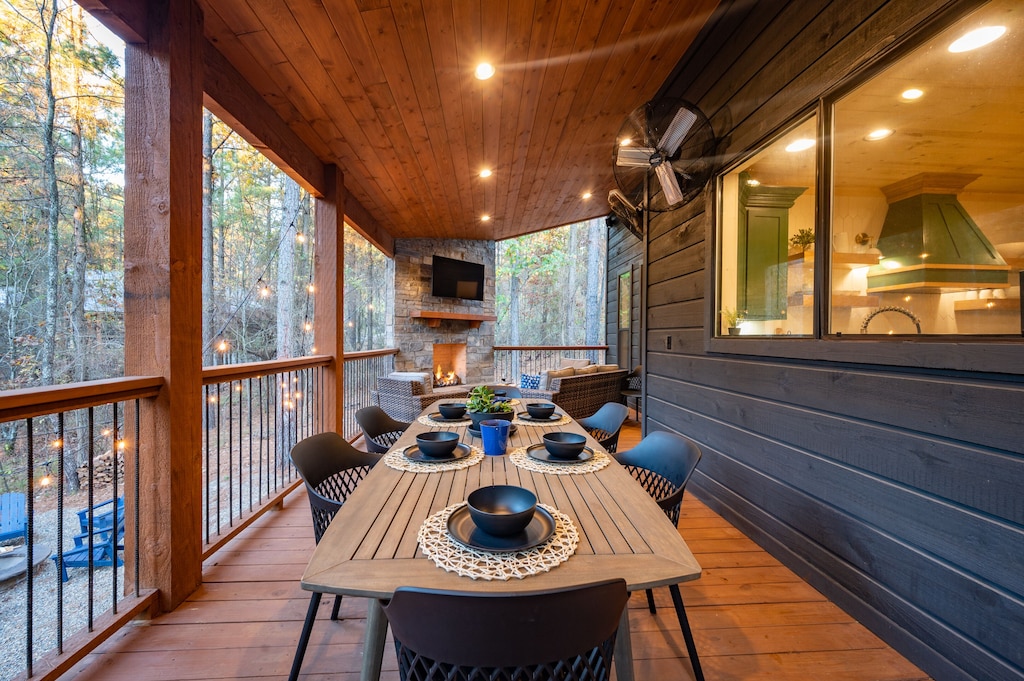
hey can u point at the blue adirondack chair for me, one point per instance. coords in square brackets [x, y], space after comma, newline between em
[108, 537]
[13, 523]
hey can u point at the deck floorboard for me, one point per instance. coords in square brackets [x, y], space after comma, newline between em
[753, 619]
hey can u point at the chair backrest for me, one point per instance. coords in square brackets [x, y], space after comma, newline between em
[331, 468]
[608, 418]
[380, 431]
[634, 379]
[509, 391]
[663, 463]
[527, 635]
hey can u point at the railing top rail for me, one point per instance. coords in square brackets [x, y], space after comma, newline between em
[550, 347]
[237, 372]
[363, 354]
[28, 402]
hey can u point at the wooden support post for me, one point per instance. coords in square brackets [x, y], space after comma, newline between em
[163, 288]
[329, 293]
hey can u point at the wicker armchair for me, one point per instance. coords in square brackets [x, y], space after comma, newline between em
[581, 395]
[403, 399]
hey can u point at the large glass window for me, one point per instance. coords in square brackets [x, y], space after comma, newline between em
[925, 233]
[928, 199]
[767, 239]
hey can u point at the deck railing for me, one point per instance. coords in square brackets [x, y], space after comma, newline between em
[512, 361]
[361, 372]
[71, 457]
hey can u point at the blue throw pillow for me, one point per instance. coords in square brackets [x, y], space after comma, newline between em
[529, 381]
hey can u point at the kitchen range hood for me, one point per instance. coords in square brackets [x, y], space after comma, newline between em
[929, 243]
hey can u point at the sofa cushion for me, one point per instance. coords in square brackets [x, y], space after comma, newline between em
[424, 378]
[601, 368]
[589, 369]
[574, 363]
[545, 381]
[529, 381]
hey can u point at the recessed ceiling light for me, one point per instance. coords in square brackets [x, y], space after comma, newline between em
[625, 142]
[979, 37]
[486, 172]
[586, 195]
[753, 183]
[485, 218]
[484, 71]
[879, 134]
[800, 145]
[912, 93]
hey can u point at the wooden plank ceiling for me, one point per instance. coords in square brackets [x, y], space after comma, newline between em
[385, 89]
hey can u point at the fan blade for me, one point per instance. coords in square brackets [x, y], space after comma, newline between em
[677, 129]
[634, 157]
[669, 184]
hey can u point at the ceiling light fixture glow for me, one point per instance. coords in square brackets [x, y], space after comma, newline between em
[800, 145]
[485, 218]
[626, 141]
[483, 71]
[979, 37]
[586, 195]
[912, 93]
[486, 172]
[879, 134]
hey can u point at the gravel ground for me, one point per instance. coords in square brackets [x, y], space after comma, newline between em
[13, 597]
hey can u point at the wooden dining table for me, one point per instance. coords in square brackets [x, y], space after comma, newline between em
[371, 546]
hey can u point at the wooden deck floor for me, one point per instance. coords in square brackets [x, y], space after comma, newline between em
[752, 618]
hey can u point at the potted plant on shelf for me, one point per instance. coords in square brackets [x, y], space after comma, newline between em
[732, 317]
[483, 405]
[803, 240]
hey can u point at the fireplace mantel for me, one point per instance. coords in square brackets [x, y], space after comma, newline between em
[434, 318]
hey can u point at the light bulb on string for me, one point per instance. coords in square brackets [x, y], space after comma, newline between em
[264, 289]
[300, 237]
[47, 478]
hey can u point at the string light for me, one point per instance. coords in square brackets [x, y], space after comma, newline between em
[47, 478]
[222, 346]
[300, 237]
[264, 289]
[57, 444]
[309, 288]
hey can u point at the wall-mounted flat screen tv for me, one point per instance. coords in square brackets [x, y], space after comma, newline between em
[457, 279]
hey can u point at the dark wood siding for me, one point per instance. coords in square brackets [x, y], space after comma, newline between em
[625, 254]
[888, 475]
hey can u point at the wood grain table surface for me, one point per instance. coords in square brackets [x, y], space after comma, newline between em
[370, 548]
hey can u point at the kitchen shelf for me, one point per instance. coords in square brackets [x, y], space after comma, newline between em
[988, 304]
[433, 319]
[841, 300]
[847, 261]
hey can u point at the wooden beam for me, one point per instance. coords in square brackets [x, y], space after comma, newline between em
[233, 100]
[125, 18]
[163, 290]
[329, 293]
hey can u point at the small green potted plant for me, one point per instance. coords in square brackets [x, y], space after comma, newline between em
[482, 405]
[803, 239]
[731, 317]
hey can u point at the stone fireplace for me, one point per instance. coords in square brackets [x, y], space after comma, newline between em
[423, 342]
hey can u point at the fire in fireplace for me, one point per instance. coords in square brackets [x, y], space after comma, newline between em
[444, 378]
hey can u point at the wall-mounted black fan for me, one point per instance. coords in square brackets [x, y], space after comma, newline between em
[667, 139]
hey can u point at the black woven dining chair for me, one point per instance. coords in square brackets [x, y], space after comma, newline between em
[565, 634]
[604, 424]
[331, 468]
[380, 431]
[662, 463]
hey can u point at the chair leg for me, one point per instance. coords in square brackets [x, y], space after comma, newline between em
[307, 629]
[684, 624]
[336, 608]
[650, 602]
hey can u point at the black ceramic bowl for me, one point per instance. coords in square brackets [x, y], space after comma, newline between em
[452, 410]
[540, 410]
[562, 445]
[438, 442]
[502, 510]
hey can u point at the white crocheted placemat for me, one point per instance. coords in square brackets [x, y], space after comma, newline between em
[396, 459]
[560, 422]
[427, 421]
[451, 556]
[521, 458]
